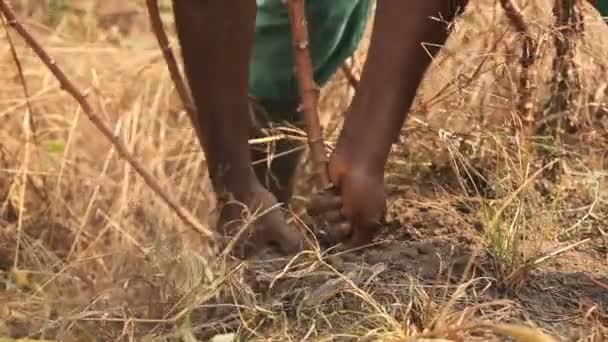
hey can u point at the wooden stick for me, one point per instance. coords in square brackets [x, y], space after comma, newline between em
[309, 92]
[165, 46]
[120, 147]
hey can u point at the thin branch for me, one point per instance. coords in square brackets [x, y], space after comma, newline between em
[350, 76]
[165, 46]
[309, 92]
[28, 103]
[26, 92]
[68, 86]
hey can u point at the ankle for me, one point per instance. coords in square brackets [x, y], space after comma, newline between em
[235, 185]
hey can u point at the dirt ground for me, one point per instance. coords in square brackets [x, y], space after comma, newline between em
[487, 227]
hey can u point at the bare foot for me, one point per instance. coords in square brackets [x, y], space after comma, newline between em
[264, 224]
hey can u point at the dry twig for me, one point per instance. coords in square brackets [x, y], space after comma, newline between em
[122, 150]
[165, 46]
[350, 76]
[22, 80]
[30, 117]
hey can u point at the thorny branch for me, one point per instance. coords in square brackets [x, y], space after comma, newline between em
[309, 92]
[26, 92]
[525, 104]
[68, 86]
[565, 81]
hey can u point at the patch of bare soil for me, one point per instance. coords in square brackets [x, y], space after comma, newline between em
[425, 267]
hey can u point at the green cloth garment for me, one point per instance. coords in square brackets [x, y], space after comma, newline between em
[602, 7]
[335, 30]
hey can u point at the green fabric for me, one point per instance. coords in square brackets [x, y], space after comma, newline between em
[335, 30]
[602, 7]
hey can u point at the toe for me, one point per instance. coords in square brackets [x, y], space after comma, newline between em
[324, 202]
[274, 228]
[361, 236]
[338, 232]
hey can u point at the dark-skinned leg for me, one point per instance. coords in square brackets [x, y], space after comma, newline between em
[216, 38]
[278, 175]
[396, 64]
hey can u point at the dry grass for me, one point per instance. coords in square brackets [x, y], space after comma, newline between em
[489, 234]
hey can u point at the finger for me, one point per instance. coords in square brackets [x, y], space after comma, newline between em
[338, 232]
[323, 202]
[334, 217]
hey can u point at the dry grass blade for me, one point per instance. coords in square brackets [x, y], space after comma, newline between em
[68, 86]
[6, 339]
[517, 275]
[26, 92]
[598, 283]
[350, 76]
[519, 333]
[512, 196]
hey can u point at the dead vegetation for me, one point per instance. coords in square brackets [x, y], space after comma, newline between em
[485, 232]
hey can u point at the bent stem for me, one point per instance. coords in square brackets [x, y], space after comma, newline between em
[165, 46]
